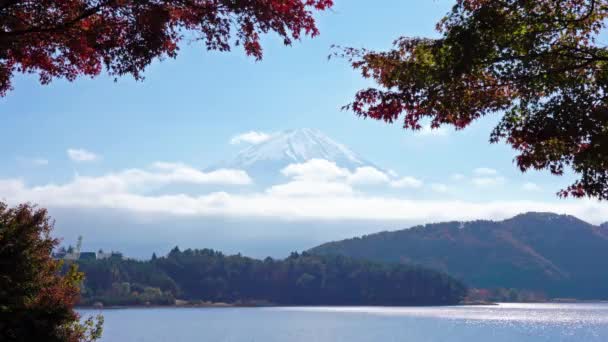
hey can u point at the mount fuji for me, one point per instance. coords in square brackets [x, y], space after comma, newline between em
[264, 161]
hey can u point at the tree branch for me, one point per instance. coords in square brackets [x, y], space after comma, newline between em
[85, 14]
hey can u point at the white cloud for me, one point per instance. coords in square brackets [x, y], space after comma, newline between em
[315, 172]
[315, 169]
[487, 181]
[321, 177]
[529, 186]
[283, 205]
[368, 176]
[440, 188]
[427, 130]
[407, 182]
[130, 181]
[485, 171]
[317, 189]
[81, 155]
[323, 170]
[310, 188]
[181, 173]
[251, 137]
[393, 173]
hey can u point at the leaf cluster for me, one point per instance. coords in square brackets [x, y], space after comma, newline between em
[70, 38]
[535, 61]
[36, 301]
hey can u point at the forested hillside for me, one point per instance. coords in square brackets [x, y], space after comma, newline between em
[558, 255]
[301, 279]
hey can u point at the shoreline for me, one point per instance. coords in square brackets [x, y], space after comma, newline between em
[231, 305]
[227, 306]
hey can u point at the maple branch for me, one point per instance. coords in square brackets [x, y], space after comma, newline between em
[85, 14]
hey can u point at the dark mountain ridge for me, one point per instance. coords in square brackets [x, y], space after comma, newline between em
[559, 255]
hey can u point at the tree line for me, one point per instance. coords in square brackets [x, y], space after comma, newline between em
[205, 275]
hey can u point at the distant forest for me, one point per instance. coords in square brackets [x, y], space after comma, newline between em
[533, 255]
[301, 279]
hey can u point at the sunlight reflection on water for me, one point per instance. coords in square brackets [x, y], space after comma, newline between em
[507, 312]
[498, 323]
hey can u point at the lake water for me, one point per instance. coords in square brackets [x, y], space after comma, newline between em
[505, 322]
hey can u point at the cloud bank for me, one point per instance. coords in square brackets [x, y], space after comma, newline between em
[317, 189]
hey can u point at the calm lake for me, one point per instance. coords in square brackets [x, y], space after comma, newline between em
[505, 322]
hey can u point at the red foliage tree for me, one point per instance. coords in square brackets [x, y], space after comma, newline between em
[36, 301]
[69, 38]
[535, 61]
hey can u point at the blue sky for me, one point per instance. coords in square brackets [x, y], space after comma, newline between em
[188, 109]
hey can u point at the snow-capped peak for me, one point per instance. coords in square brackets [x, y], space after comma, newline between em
[297, 146]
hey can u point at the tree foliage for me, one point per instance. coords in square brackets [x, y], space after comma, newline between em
[301, 279]
[126, 282]
[36, 302]
[536, 61]
[70, 38]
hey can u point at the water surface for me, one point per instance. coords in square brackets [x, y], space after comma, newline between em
[505, 322]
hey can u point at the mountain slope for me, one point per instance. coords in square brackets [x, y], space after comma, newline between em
[556, 254]
[297, 146]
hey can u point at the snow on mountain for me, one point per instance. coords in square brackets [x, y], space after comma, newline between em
[265, 160]
[297, 146]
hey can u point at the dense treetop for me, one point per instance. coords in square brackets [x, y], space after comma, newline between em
[537, 62]
[36, 302]
[70, 38]
[301, 279]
